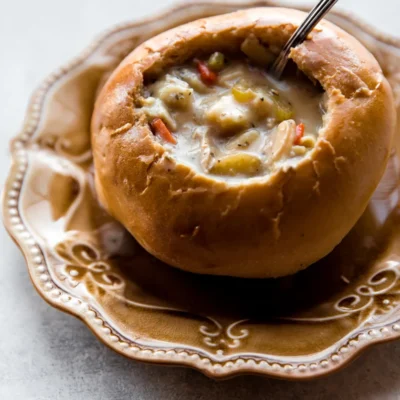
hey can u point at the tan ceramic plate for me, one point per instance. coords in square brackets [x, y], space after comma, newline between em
[83, 262]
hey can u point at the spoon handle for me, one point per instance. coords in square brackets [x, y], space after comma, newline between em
[301, 33]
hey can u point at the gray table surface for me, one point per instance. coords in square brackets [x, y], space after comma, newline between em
[45, 354]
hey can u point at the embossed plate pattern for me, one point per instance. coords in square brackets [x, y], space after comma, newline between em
[83, 262]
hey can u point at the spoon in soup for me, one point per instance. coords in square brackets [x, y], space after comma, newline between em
[301, 33]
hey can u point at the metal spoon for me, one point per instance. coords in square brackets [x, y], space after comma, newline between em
[316, 14]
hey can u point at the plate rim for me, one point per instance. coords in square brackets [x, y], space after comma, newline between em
[54, 296]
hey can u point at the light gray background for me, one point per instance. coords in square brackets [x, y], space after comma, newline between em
[45, 354]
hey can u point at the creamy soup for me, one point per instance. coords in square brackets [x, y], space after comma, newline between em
[230, 118]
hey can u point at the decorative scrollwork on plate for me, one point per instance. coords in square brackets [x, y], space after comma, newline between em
[380, 293]
[221, 337]
[84, 264]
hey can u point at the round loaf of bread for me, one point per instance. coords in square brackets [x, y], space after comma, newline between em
[257, 227]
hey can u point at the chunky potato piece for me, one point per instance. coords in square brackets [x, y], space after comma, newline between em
[261, 102]
[155, 108]
[194, 81]
[174, 92]
[263, 105]
[244, 141]
[239, 163]
[228, 115]
[256, 51]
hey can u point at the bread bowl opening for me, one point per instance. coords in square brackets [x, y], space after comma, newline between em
[224, 115]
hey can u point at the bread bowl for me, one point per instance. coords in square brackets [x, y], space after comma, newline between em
[286, 208]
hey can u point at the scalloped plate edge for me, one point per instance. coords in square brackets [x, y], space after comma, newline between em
[55, 296]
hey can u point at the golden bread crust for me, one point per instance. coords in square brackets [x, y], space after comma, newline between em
[264, 227]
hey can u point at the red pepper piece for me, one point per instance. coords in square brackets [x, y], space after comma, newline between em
[299, 134]
[208, 76]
